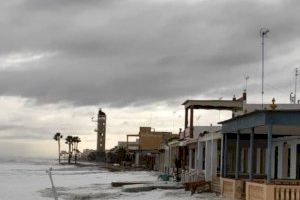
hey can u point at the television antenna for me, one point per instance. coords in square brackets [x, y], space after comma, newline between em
[263, 33]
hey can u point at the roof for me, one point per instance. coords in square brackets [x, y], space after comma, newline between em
[255, 112]
[214, 104]
[284, 121]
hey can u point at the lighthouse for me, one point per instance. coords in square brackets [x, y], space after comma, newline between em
[101, 130]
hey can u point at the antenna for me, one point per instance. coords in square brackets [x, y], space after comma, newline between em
[174, 112]
[295, 94]
[246, 78]
[263, 33]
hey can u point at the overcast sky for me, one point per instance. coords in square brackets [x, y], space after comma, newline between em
[60, 60]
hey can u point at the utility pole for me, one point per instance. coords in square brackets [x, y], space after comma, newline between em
[263, 33]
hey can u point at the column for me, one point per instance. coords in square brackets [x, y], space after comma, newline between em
[214, 158]
[207, 161]
[190, 158]
[221, 157]
[191, 121]
[137, 158]
[237, 155]
[258, 163]
[280, 160]
[273, 161]
[225, 154]
[186, 118]
[199, 157]
[196, 157]
[293, 160]
[269, 154]
[251, 155]
[212, 155]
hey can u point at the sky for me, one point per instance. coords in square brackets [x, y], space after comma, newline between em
[61, 60]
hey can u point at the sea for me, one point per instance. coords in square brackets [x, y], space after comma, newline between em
[27, 179]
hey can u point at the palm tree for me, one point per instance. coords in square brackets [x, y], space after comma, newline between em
[76, 140]
[69, 141]
[57, 138]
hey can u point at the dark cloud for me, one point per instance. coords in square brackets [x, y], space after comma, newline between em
[132, 52]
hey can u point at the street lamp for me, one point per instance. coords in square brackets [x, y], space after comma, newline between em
[263, 33]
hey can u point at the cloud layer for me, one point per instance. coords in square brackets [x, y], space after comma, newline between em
[60, 60]
[132, 52]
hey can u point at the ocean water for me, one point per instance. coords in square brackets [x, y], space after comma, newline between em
[26, 179]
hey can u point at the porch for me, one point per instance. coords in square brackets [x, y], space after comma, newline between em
[261, 155]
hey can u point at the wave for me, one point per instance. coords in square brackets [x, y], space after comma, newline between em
[79, 193]
[29, 160]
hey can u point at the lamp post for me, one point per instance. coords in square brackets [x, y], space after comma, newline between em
[263, 33]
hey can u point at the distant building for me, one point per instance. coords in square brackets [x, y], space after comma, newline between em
[150, 145]
[101, 131]
[131, 146]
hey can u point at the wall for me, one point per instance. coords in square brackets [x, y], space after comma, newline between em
[152, 140]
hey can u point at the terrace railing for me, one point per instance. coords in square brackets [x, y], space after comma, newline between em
[279, 190]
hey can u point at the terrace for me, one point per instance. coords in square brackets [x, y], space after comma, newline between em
[269, 168]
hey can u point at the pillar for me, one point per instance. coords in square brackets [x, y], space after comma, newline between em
[183, 161]
[293, 161]
[280, 161]
[196, 157]
[251, 155]
[237, 155]
[214, 158]
[207, 161]
[269, 154]
[258, 163]
[201, 145]
[137, 158]
[225, 155]
[186, 118]
[221, 157]
[191, 122]
[190, 158]
[198, 166]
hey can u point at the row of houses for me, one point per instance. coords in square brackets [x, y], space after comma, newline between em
[254, 155]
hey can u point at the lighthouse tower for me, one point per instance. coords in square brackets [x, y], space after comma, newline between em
[101, 129]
